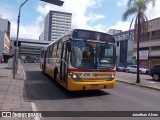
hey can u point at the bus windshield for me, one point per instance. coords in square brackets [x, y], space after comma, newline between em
[92, 55]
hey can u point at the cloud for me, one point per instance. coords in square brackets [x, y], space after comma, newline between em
[8, 12]
[79, 9]
[120, 3]
[153, 12]
[30, 31]
[82, 16]
[124, 26]
[94, 16]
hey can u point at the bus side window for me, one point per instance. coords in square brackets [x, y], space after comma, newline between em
[59, 46]
[54, 51]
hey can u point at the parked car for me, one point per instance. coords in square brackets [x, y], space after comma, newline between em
[121, 67]
[155, 72]
[133, 68]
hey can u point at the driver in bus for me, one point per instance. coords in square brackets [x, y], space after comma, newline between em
[86, 54]
[87, 57]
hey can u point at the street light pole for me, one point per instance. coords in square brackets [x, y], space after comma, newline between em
[15, 64]
[139, 34]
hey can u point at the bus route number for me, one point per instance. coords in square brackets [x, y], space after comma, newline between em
[87, 74]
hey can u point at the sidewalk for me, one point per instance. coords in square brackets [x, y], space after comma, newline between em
[12, 91]
[143, 83]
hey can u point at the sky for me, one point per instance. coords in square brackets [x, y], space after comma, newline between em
[99, 15]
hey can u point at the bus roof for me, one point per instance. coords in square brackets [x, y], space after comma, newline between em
[86, 34]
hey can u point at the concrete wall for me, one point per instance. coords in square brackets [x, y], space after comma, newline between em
[129, 40]
[1, 43]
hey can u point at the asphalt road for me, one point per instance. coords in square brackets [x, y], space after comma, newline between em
[48, 97]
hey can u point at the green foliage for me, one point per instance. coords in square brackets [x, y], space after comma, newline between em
[138, 7]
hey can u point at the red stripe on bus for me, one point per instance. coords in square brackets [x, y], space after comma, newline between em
[84, 70]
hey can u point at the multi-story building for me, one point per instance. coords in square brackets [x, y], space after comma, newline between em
[4, 46]
[5, 26]
[124, 47]
[41, 37]
[149, 45]
[56, 24]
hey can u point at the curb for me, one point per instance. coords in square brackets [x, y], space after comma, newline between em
[24, 74]
[139, 84]
[33, 106]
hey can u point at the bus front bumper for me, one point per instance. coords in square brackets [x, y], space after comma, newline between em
[73, 85]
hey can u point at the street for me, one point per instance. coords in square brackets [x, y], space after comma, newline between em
[42, 90]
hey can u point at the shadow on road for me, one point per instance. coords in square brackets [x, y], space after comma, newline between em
[41, 87]
[151, 80]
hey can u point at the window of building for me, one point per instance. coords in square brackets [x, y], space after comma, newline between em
[117, 44]
[145, 36]
[144, 48]
[154, 35]
[158, 34]
[155, 48]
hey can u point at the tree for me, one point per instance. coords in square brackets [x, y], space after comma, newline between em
[138, 7]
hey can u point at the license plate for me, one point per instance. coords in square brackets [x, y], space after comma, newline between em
[95, 85]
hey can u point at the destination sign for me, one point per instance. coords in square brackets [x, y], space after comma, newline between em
[92, 35]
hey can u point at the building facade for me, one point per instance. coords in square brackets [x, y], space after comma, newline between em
[5, 26]
[149, 45]
[4, 46]
[124, 47]
[114, 31]
[29, 47]
[41, 37]
[56, 24]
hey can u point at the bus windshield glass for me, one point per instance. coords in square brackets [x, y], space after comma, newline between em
[92, 55]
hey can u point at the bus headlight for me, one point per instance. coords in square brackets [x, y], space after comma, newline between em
[109, 78]
[75, 77]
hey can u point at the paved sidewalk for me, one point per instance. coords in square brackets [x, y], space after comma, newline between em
[143, 83]
[12, 91]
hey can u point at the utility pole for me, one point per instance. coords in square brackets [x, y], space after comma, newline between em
[15, 61]
[139, 36]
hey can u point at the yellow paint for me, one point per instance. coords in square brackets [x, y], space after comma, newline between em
[86, 82]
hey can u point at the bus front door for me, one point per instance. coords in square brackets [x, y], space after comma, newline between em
[64, 64]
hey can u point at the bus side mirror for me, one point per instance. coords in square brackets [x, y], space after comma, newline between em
[69, 46]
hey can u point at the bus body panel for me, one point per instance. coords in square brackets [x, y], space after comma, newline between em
[90, 79]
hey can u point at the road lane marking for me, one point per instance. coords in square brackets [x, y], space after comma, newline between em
[34, 109]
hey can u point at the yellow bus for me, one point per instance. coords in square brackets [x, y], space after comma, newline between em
[81, 60]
